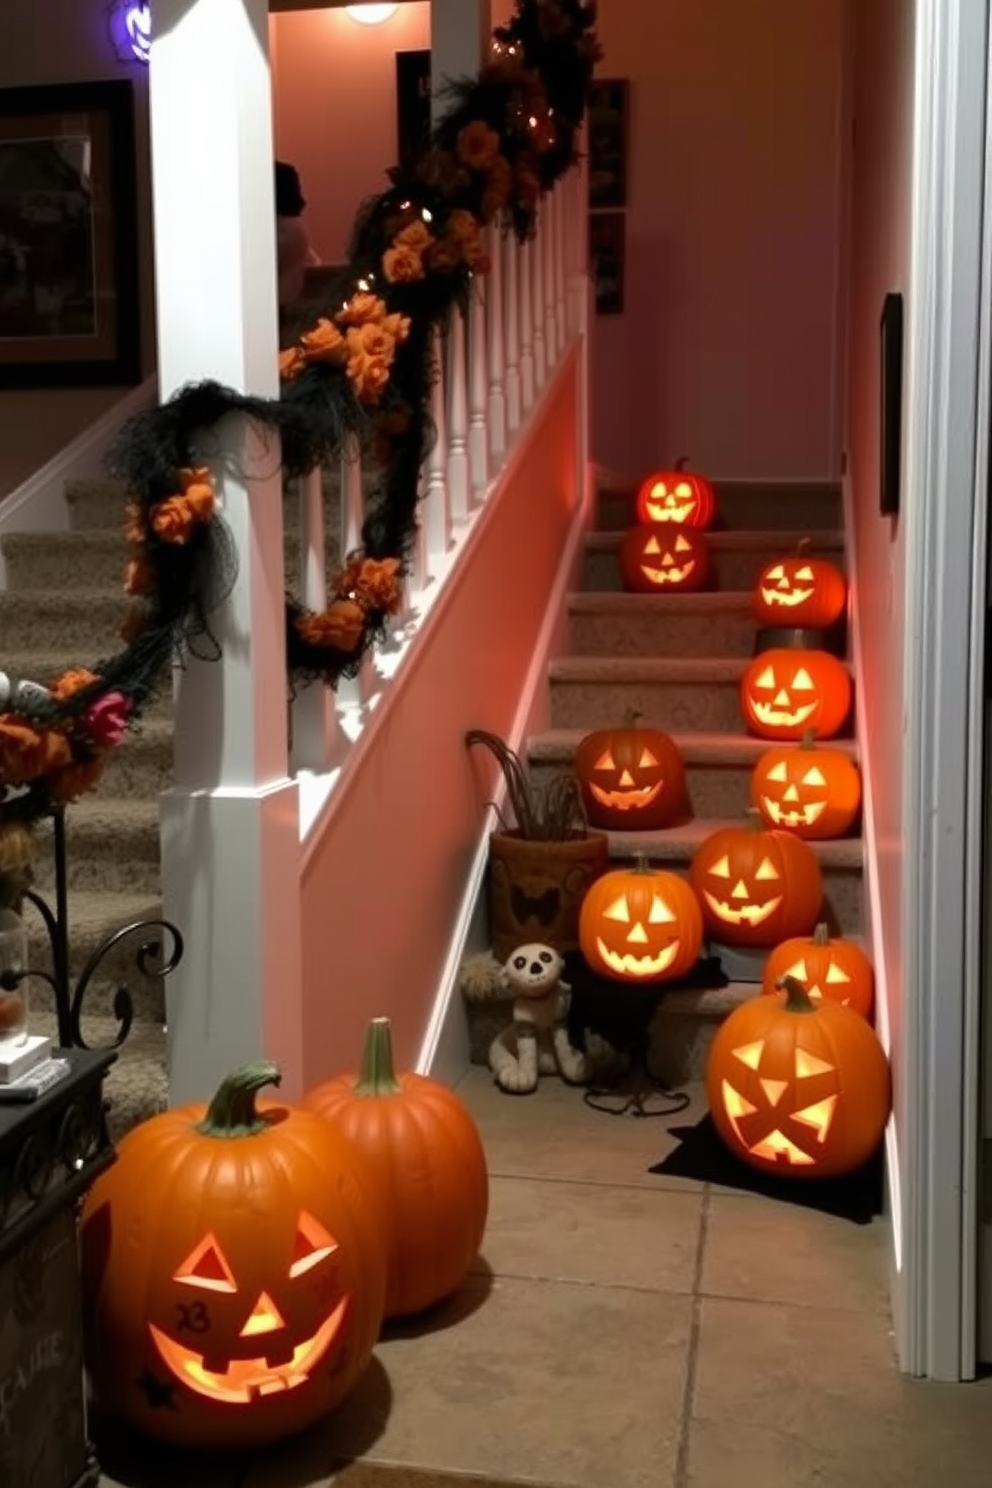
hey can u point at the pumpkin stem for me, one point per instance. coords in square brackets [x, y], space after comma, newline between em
[377, 1075]
[232, 1111]
[821, 935]
[641, 864]
[804, 544]
[681, 462]
[755, 820]
[630, 717]
[808, 740]
[797, 998]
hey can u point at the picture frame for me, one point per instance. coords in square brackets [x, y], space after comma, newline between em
[413, 104]
[607, 260]
[890, 405]
[69, 274]
[608, 135]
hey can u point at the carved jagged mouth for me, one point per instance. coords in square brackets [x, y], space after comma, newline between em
[779, 717]
[637, 797]
[244, 1380]
[668, 513]
[786, 599]
[638, 966]
[671, 575]
[799, 816]
[744, 914]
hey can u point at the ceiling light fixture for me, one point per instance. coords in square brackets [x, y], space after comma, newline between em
[371, 15]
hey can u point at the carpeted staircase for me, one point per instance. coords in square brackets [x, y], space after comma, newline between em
[678, 659]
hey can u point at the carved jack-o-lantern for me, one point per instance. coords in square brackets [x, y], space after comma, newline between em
[631, 778]
[656, 561]
[833, 968]
[800, 591]
[676, 497]
[234, 1270]
[798, 1088]
[786, 692]
[810, 790]
[756, 887]
[640, 924]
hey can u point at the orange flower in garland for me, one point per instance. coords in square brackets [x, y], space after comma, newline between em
[135, 528]
[362, 309]
[403, 265]
[464, 230]
[26, 752]
[173, 520]
[139, 577]
[324, 343]
[340, 626]
[477, 145]
[71, 682]
[373, 582]
[415, 235]
[73, 780]
[292, 361]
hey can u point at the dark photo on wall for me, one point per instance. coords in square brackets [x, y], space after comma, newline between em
[608, 125]
[413, 104]
[607, 251]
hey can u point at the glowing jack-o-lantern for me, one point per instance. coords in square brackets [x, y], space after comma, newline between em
[676, 497]
[798, 1088]
[653, 561]
[800, 591]
[234, 1270]
[631, 778]
[836, 969]
[786, 692]
[811, 790]
[640, 924]
[756, 887]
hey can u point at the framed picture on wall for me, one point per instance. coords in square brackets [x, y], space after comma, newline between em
[607, 252]
[413, 104]
[609, 107]
[69, 310]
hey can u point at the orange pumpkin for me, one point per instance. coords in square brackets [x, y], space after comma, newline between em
[423, 1147]
[654, 561]
[640, 924]
[798, 1088]
[808, 789]
[756, 887]
[836, 969]
[786, 692]
[677, 497]
[800, 591]
[631, 778]
[234, 1270]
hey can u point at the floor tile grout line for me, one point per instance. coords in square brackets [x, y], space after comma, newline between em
[681, 1477]
[597, 1183]
[581, 1281]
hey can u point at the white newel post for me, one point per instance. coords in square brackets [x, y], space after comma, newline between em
[230, 824]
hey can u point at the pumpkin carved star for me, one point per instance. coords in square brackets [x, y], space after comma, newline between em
[654, 561]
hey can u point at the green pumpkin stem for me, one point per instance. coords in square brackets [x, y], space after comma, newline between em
[821, 935]
[630, 717]
[755, 820]
[377, 1074]
[797, 999]
[808, 740]
[641, 864]
[232, 1111]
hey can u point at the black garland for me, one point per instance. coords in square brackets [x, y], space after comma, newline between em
[538, 77]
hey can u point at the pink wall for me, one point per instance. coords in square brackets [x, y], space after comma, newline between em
[883, 46]
[64, 41]
[401, 837]
[728, 348]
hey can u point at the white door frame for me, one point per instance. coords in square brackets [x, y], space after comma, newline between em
[946, 442]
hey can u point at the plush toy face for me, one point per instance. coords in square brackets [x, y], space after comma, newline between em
[533, 970]
[813, 792]
[630, 777]
[756, 887]
[639, 925]
[653, 561]
[800, 591]
[676, 498]
[785, 693]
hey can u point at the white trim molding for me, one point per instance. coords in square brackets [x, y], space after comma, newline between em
[944, 660]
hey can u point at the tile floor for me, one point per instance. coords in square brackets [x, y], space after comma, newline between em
[629, 1331]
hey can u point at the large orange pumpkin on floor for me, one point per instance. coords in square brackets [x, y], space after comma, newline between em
[798, 1088]
[809, 789]
[631, 778]
[430, 1169]
[824, 967]
[756, 887]
[676, 497]
[234, 1270]
[656, 561]
[800, 591]
[784, 692]
[640, 924]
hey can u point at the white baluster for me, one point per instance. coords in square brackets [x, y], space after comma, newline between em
[537, 303]
[437, 513]
[525, 308]
[315, 731]
[561, 249]
[478, 431]
[496, 348]
[550, 254]
[511, 321]
[457, 412]
[353, 693]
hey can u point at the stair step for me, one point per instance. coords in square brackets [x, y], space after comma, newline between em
[662, 624]
[98, 505]
[142, 766]
[718, 766]
[45, 666]
[738, 555]
[136, 1085]
[81, 625]
[740, 503]
[93, 917]
[112, 845]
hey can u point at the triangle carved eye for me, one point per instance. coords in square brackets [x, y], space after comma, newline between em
[618, 911]
[207, 1267]
[647, 759]
[605, 761]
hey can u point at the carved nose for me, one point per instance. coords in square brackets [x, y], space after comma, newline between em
[739, 890]
[626, 778]
[638, 936]
[782, 699]
[791, 794]
[265, 1318]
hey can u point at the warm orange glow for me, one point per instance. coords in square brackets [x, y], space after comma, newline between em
[820, 1117]
[777, 1145]
[808, 1065]
[627, 964]
[313, 1245]
[774, 1090]
[206, 1267]
[266, 1318]
[750, 1054]
[628, 799]
[736, 1106]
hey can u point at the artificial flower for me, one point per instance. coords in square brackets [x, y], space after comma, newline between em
[173, 520]
[324, 343]
[27, 752]
[477, 145]
[398, 326]
[373, 582]
[341, 626]
[361, 309]
[72, 780]
[416, 236]
[139, 577]
[402, 265]
[76, 679]
[106, 719]
[194, 475]
[201, 499]
[135, 529]
[291, 363]
[369, 377]
[372, 340]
